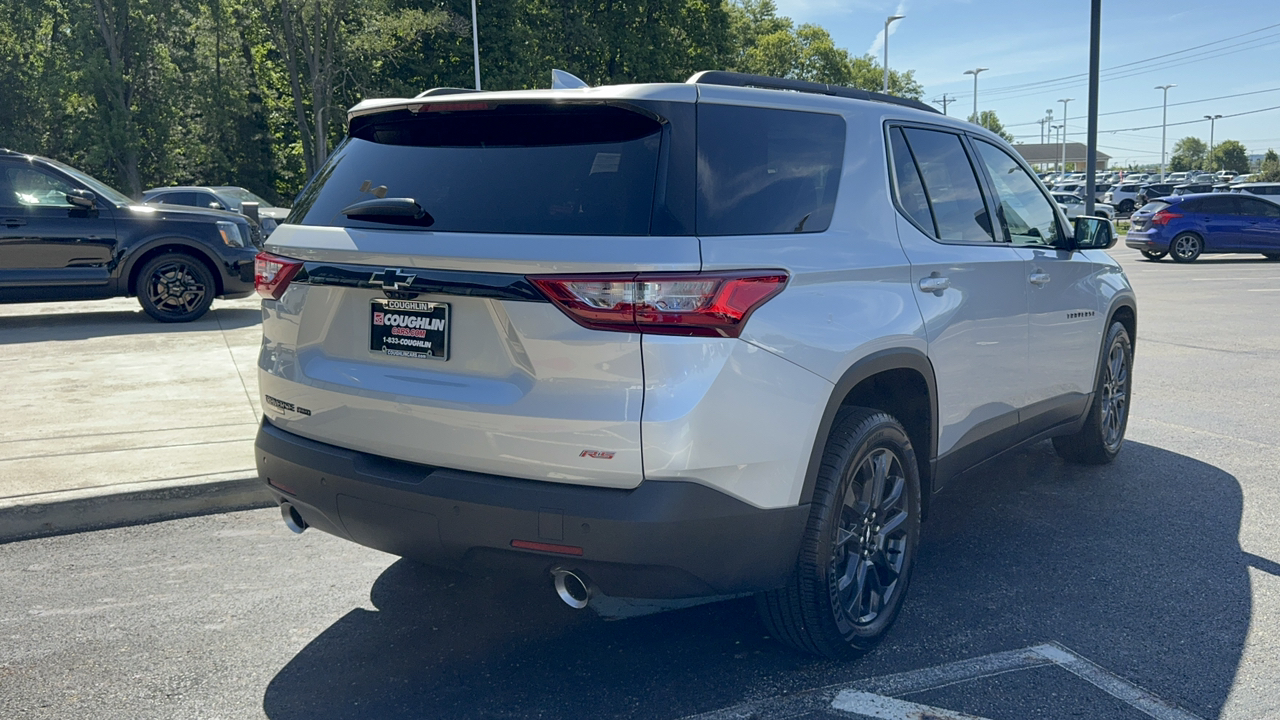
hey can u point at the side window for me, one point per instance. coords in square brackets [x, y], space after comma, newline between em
[907, 186]
[764, 171]
[206, 200]
[1258, 208]
[1027, 213]
[951, 186]
[177, 198]
[28, 187]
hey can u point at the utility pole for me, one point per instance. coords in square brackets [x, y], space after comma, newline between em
[1091, 143]
[1056, 129]
[475, 42]
[1042, 122]
[944, 102]
[1064, 102]
[1164, 124]
[974, 72]
[887, 21]
[1211, 119]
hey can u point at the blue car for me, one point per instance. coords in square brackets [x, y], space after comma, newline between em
[1185, 226]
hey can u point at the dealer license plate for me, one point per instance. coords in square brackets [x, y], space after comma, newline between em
[409, 328]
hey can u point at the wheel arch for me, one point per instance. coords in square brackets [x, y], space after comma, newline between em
[899, 381]
[160, 246]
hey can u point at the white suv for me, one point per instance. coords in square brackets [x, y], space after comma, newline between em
[677, 340]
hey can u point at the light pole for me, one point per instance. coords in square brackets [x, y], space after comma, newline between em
[1164, 122]
[974, 72]
[1064, 102]
[475, 42]
[1211, 119]
[1056, 128]
[888, 20]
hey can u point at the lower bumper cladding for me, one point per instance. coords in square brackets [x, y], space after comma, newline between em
[662, 539]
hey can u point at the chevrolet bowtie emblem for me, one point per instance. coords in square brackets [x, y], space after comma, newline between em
[393, 279]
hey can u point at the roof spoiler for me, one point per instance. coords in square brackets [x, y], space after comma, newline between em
[736, 79]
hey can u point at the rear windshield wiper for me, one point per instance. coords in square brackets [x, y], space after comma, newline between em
[392, 211]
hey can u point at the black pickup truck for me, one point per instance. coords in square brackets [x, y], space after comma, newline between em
[66, 236]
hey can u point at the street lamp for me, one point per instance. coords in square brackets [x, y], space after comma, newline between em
[1064, 102]
[888, 20]
[475, 42]
[1211, 119]
[1056, 128]
[1164, 121]
[974, 72]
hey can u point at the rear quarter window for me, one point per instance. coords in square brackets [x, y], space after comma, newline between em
[1154, 206]
[765, 171]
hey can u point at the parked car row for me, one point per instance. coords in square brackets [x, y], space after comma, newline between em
[235, 199]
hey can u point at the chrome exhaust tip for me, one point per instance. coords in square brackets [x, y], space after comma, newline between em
[292, 518]
[573, 587]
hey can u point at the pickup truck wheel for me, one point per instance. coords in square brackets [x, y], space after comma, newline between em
[1099, 441]
[1154, 254]
[175, 287]
[859, 545]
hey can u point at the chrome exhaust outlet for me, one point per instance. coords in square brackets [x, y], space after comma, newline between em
[573, 587]
[292, 518]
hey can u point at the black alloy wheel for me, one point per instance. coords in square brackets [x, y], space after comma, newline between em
[1186, 247]
[1099, 440]
[175, 287]
[859, 545]
[1154, 254]
[1126, 206]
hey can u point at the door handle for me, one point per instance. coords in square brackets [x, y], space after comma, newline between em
[1039, 278]
[13, 222]
[934, 284]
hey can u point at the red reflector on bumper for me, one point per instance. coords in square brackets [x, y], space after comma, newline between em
[546, 547]
[281, 487]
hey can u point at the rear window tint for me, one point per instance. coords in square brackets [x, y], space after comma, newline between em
[536, 169]
[764, 171]
[908, 189]
[1154, 206]
[952, 186]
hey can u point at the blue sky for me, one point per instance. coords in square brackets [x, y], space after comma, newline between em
[1030, 41]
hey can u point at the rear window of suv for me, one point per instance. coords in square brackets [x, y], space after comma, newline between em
[513, 168]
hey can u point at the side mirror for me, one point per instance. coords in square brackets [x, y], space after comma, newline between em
[82, 199]
[1094, 233]
[250, 210]
[217, 205]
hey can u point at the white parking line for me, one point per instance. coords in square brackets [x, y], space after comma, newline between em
[880, 697]
[887, 708]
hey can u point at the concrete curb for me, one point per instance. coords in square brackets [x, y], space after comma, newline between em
[69, 511]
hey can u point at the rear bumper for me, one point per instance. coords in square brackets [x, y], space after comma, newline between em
[663, 539]
[1146, 240]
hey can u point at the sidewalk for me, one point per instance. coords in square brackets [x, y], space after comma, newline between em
[110, 417]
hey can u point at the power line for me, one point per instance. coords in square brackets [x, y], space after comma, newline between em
[1157, 107]
[1154, 58]
[1174, 124]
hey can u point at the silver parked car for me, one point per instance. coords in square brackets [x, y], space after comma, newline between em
[677, 340]
[1073, 206]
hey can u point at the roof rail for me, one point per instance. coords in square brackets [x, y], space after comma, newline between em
[443, 91]
[737, 79]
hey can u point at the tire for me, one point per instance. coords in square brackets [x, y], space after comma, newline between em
[868, 465]
[1154, 254]
[175, 287]
[1126, 206]
[1186, 247]
[1102, 436]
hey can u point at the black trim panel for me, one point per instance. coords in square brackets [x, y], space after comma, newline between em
[1054, 411]
[500, 286]
[874, 364]
[663, 539]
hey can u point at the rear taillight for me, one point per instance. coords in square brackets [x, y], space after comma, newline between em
[699, 304]
[1163, 217]
[272, 273]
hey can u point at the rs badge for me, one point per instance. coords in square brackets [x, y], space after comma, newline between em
[597, 454]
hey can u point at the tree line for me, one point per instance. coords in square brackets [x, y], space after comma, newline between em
[143, 93]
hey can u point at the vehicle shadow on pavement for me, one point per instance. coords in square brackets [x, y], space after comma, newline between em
[45, 327]
[1136, 566]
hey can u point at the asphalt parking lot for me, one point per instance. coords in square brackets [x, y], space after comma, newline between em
[1146, 588]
